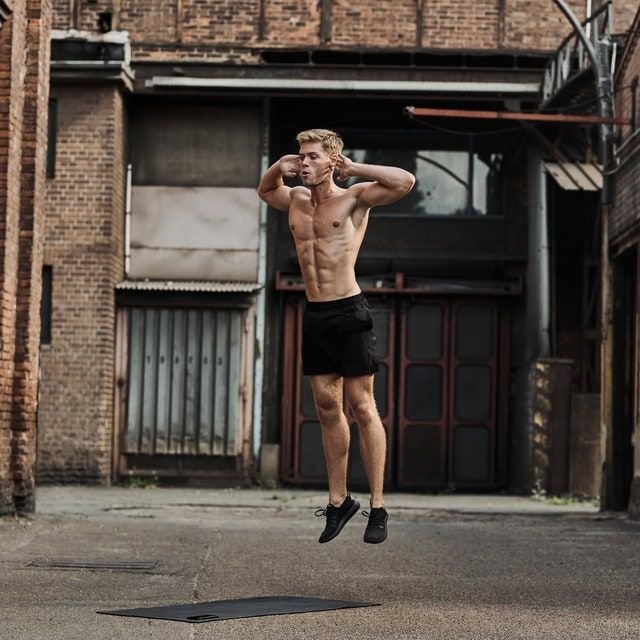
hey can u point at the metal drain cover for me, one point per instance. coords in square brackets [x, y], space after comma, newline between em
[93, 565]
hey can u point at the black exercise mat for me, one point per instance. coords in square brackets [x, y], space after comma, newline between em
[244, 608]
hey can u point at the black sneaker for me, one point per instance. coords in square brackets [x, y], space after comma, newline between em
[376, 530]
[337, 517]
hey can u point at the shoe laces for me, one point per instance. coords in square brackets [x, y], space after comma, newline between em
[376, 517]
[329, 511]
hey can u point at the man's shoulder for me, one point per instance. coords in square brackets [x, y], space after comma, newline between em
[357, 188]
[299, 191]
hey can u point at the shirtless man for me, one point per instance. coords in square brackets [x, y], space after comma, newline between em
[338, 345]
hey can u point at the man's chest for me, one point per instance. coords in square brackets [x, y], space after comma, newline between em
[309, 223]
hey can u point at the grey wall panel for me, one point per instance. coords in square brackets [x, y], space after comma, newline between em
[177, 264]
[191, 145]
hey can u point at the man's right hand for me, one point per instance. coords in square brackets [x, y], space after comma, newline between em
[289, 166]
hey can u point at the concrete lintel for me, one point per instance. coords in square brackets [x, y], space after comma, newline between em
[91, 72]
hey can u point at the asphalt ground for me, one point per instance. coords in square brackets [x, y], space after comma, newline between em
[453, 566]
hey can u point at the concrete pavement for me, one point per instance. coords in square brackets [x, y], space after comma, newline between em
[453, 567]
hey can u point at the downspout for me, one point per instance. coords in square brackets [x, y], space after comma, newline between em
[538, 284]
[261, 297]
[127, 224]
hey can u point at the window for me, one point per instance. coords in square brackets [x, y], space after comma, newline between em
[52, 132]
[46, 305]
[451, 180]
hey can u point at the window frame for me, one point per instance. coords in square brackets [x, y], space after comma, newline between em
[432, 141]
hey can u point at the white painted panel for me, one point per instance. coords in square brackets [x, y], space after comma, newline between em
[201, 233]
[194, 217]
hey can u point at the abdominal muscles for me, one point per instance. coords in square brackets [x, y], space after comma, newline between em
[327, 268]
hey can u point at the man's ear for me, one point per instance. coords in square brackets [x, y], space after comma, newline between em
[333, 159]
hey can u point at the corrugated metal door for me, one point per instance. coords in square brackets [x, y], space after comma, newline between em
[184, 368]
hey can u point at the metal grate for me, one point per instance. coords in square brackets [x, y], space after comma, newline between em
[93, 565]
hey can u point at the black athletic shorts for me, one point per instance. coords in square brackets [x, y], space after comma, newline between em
[338, 337]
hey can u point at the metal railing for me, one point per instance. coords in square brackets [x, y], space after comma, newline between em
[572, 59]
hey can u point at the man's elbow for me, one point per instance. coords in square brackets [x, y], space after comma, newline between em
[263, 193]
[408, 183]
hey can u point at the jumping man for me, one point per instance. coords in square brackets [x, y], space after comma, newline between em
[338, 344]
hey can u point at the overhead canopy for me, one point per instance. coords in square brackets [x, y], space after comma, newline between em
[575, 176]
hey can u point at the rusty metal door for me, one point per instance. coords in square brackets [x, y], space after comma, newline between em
[183, 382]
[450, 424]
[422, 406]
[445, 419]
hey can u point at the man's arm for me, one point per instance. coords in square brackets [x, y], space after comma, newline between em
[272, 188]
[389, 183]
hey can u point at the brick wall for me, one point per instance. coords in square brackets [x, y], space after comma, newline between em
[626, 210]
[473, 25]
[373, 24]
[34, 137]
[24, 49]
[61, 18]
[192, 28]
[84, 235]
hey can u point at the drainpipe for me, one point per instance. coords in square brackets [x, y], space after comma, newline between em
[261, 297]
[127, 224]
[599, 56]
[538, 307]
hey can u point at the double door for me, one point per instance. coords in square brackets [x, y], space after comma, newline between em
[441, 395]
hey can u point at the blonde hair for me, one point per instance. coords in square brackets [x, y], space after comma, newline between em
[330, 140]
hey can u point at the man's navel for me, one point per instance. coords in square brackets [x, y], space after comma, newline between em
[292, 227]
[336, 223]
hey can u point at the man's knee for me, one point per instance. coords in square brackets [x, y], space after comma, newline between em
[365, 412]
[329, 410]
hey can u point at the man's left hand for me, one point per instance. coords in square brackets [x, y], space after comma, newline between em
[344, 167]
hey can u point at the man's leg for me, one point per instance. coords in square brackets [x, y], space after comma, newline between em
[373, 440]
[327, 393]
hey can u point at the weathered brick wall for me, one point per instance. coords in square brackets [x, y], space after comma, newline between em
[24, 41]
[61, 18]
[628, 69]
[192, 28]
[34, 139]
[626, 210]
[12, 41]
[84, 235]
[536, 24]
[373, 24]
[291, 23]
[149, 20]
[462, 25]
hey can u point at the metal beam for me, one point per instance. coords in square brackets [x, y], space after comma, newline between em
[512, 115]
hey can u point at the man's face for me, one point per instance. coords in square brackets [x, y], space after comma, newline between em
[315, 164]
